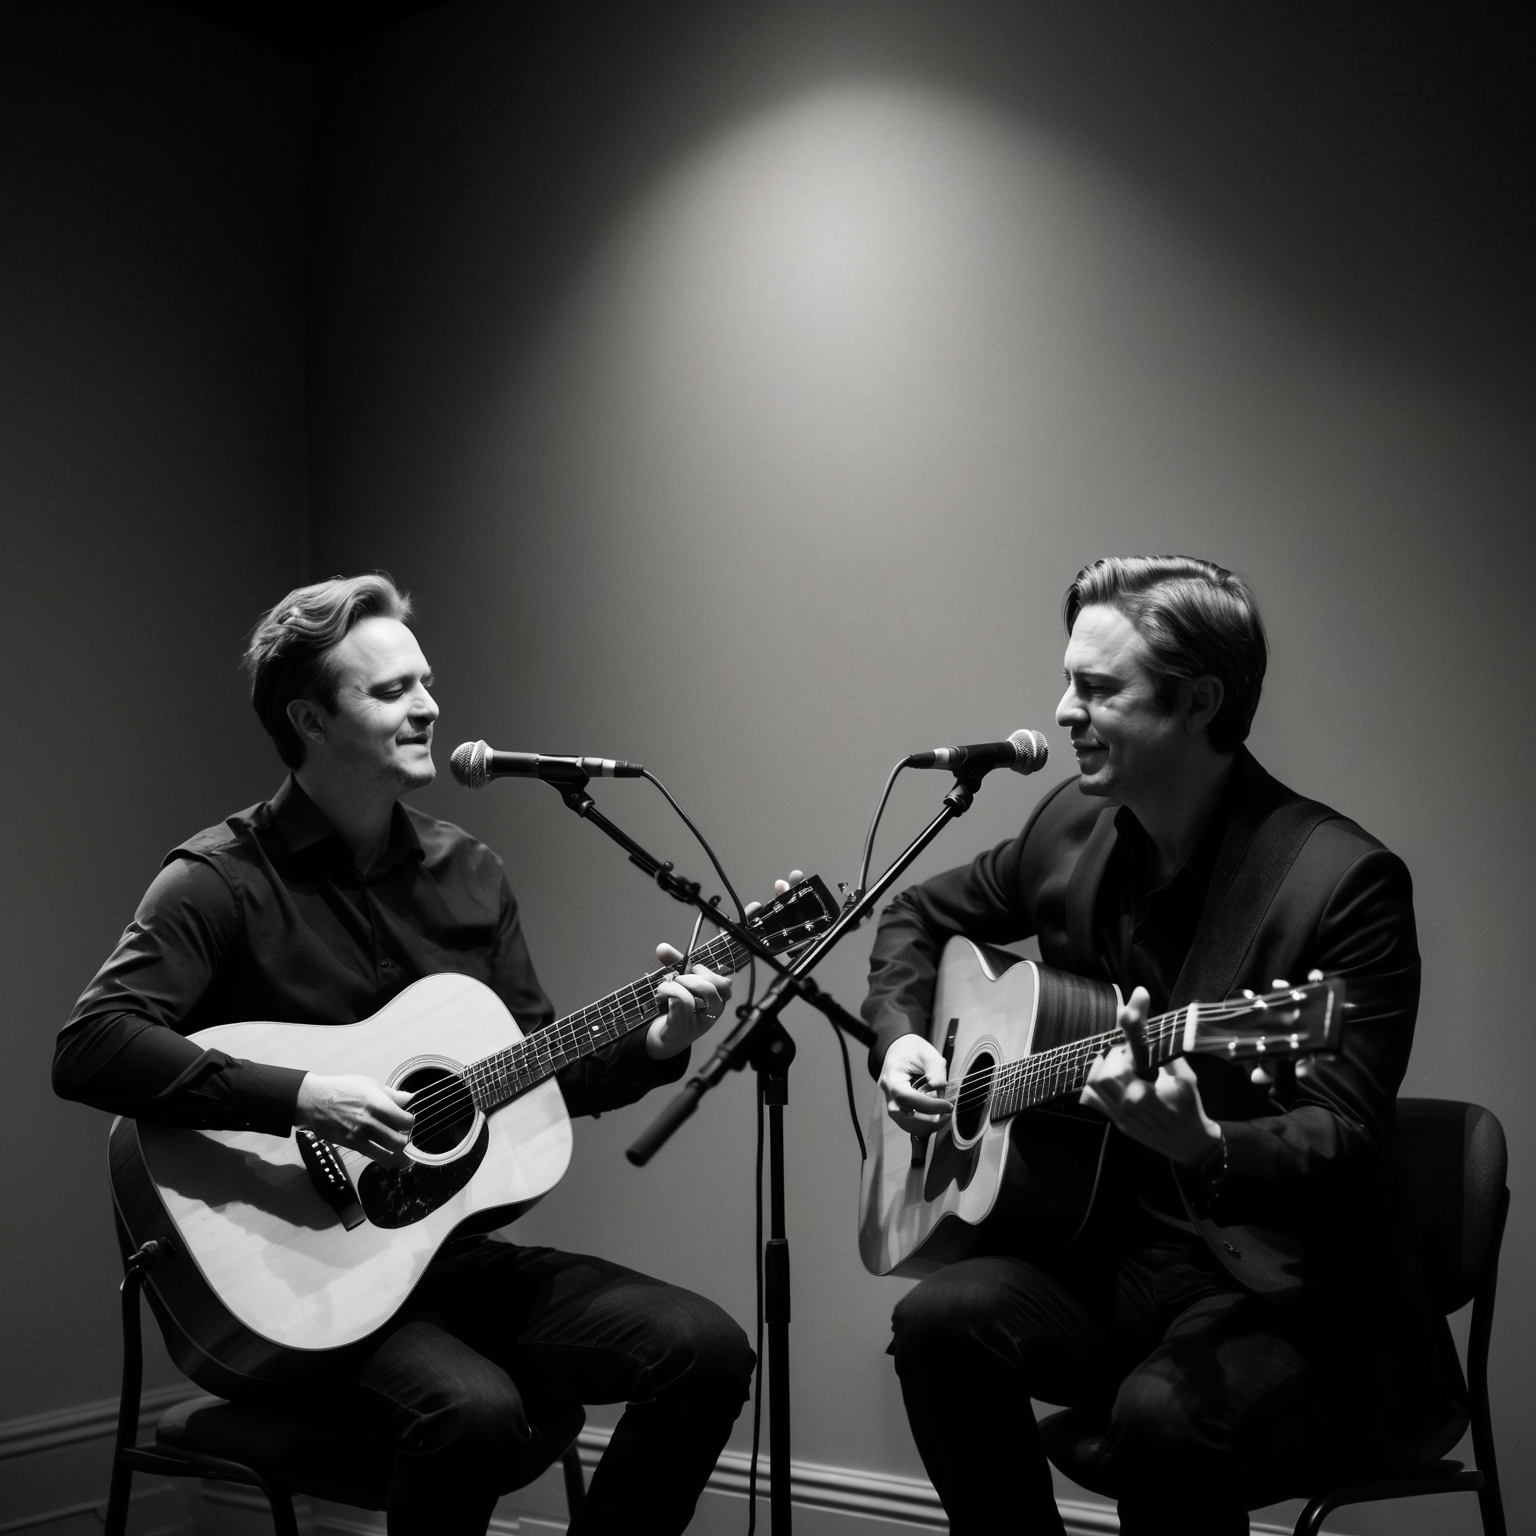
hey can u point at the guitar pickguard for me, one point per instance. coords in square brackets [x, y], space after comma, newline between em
[949, 1166]
[400, 1197]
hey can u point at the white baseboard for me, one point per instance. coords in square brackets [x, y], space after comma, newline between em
[827, 1498]
[863, 1503]
[85, 1421]
[55, 1468]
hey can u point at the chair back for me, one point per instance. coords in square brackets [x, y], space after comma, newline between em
[1455, 1162]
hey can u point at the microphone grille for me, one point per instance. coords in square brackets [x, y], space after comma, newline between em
[468, 764]
[1032, 749]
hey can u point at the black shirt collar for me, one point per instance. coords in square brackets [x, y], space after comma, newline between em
[303, 825]
[1201, 864]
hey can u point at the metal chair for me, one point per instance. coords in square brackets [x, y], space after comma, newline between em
[1456, 1162]
[277, 1451]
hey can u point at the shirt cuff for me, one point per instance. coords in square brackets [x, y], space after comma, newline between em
[635, 1063]
[266, 1097]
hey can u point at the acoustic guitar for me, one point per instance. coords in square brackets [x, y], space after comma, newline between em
[284, 1251]
[1018, 1153]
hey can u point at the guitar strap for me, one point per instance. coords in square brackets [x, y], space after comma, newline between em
[1248, 876]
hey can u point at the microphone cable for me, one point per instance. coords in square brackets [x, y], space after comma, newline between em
[869, 841]
[741, 911]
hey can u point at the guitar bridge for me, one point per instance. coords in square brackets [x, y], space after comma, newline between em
[329, 1175]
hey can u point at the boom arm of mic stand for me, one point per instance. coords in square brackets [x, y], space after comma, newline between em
[735, 1049]
[572, 785]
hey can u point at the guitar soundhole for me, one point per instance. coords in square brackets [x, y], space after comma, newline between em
[445, 1113]
[975, 1092]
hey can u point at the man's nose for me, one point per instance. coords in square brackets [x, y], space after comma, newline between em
[1070, 711]
[425, 705]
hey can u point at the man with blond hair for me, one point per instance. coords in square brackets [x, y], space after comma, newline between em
[319, 906]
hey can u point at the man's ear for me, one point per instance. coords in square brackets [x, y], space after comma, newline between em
[307, 718]
[1202, 700]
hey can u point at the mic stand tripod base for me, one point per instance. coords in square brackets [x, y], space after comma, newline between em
[772, 1052]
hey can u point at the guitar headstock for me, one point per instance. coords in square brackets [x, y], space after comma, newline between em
[788, 921]
[1290, 1021]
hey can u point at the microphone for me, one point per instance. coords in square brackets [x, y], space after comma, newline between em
[1024, 752]
[474, 765]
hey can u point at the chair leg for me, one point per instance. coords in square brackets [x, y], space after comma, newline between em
[575, 1483]
[116, 1522]
[284, 1521]
[1491, 1502]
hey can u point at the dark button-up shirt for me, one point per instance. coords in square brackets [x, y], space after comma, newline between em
[1149, 929]
[265, 916]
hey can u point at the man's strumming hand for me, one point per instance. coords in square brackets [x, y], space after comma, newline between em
[356, 1112]
[911, 1059]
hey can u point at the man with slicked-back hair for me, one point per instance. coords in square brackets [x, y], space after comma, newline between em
[1246, 1298]
[319, 906]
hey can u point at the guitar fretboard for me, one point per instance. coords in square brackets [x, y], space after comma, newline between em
[495, 1079]
[1064, 1069]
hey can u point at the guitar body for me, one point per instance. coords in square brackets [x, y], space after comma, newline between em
[1028, 1181]
[283, 1255]
[264, 1277]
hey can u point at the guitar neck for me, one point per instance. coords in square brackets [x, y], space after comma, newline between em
[1063, 1070]
[495, 1079]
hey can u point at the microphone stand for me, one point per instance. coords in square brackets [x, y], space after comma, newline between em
[571, 784]
[761, 1042]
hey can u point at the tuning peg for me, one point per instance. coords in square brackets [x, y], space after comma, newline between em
[1249, 993]
[1314, 974]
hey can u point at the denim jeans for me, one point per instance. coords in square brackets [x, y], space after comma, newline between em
[499, 1340]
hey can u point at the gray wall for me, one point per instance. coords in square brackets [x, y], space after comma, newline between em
[738, 392]
[737, 387]
[152, 487]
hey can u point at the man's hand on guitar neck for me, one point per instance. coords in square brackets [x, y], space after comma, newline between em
[1162, 1112]
[913, 1068]
[356, 1112]
[695, 1001]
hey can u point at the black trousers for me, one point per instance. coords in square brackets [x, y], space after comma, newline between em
[1205, 1388]
[498, 1339]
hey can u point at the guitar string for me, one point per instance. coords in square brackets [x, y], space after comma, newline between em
[599, 1024]
[1061, 1069]
[1020, 1085]
[1065, 1062]
[505, 1073]
[487, 1083]
[1061, 1061]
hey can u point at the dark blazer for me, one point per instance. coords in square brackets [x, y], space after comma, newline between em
[1309, 1211]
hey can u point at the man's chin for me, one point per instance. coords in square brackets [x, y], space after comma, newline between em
[415, 775]
[1096, 784]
